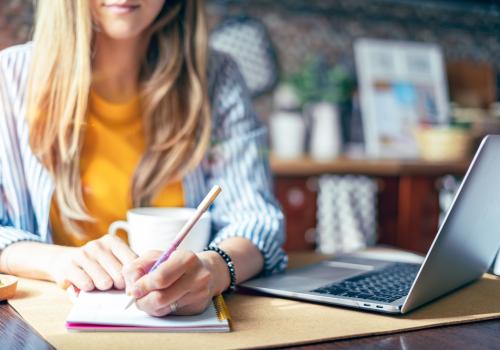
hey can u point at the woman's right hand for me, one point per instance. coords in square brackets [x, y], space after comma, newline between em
[96, 265]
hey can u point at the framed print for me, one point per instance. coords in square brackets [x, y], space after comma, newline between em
[401, 85]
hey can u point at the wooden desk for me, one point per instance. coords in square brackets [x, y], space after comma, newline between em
[15, 334]
[408, 203]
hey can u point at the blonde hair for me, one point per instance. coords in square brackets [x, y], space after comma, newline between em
[173, 84]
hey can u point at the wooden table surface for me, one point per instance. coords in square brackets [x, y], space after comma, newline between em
[15, 334]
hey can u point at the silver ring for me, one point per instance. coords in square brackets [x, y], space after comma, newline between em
[173, 307]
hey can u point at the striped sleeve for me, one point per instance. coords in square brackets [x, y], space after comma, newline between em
[237, 161]
[8, 233]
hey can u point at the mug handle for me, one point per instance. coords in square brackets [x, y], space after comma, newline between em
[118, 225]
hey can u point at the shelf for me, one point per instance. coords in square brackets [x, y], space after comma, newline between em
[375, 167]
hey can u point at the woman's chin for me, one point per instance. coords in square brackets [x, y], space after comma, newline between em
[121, 32]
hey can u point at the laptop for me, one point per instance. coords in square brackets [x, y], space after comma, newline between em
[463, 249]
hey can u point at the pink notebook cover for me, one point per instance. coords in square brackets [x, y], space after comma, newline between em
[109, 328]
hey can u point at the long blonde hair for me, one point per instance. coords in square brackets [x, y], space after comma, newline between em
[174, 94]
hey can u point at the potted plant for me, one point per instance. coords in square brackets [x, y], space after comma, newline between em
[325, 92]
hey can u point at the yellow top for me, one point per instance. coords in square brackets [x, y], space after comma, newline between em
[113, 144]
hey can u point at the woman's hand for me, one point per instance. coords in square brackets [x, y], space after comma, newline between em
[97, 264]
[187, 279]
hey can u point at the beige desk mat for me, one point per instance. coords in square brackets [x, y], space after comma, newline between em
[258, 321]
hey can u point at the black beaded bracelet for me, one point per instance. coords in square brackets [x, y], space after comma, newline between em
[229, 263]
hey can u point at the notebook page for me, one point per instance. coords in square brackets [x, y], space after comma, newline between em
[108, 308]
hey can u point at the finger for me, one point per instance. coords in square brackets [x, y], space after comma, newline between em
[77, 277]
[120, 249]
[159, 299]
[166, 310]
[194, 303]
[153, 305]
[113, 267]
[189, 304]
[166, 274]
[73, 293]
[99, 276]
[134, 270]
[100, 251]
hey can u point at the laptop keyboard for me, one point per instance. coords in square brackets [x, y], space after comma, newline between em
[384, 285]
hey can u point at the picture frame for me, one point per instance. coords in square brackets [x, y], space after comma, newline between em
[402, 85]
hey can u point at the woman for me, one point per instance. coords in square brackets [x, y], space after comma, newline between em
[118, 104]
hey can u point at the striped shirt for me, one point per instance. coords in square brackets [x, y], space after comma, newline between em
[236, 161]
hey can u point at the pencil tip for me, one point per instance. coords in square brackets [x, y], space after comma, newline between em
[131, 301]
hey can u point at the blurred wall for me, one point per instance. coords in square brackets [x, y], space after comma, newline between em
[299, 27]
[16, 17]
[329, 27]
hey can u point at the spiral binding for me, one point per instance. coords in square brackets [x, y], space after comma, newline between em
[221, 308]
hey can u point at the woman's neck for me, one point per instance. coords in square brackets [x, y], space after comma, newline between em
[116, 66]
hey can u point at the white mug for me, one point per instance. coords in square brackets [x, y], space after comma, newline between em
[156, 228]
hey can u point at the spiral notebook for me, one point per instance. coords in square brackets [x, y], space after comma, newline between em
[105, 311]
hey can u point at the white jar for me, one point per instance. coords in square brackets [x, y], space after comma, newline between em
[325, 143]
[287, 134]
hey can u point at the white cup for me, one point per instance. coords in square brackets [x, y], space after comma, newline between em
[156, 228]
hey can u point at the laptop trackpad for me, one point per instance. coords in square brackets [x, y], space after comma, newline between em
[310, 277]
[325, 273]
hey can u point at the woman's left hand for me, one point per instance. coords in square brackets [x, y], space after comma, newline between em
[184, 284]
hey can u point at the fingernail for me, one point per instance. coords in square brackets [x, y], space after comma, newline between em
[106, 283]
[136, 292]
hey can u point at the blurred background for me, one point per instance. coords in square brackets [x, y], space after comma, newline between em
[375, 107]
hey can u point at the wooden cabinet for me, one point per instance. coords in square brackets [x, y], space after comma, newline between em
[408, 211]
[407, 201]
[297, 196]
